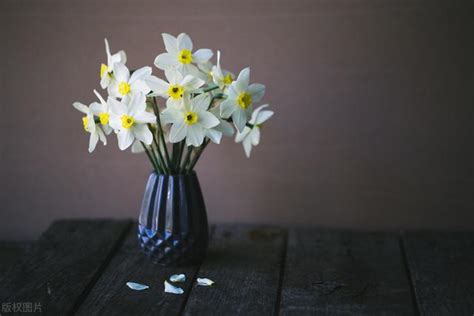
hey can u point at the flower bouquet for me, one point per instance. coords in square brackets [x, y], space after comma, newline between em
[202, 103]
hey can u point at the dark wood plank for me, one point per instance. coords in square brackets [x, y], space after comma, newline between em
[341, 273]
[63, 265]
[111, 296]
[10, 253]
[245, 263]
[442, 270]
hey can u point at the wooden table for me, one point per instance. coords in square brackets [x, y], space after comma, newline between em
[81, 267]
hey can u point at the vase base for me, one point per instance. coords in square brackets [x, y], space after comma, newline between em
[167, 248]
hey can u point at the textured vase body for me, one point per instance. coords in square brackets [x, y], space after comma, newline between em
[172, 227]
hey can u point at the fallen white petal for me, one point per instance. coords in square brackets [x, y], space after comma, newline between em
[178, 278]
[205, 282]
[137, 286]
[169, 288]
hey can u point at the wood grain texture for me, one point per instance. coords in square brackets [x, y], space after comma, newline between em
[340, 273]
[442, 269]
[63, 264]
[10, 253]
[111, 296]
[245, 262]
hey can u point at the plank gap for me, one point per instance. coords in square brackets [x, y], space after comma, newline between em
[410, 277]
[88, 288]
[193, 279]
[282, 271]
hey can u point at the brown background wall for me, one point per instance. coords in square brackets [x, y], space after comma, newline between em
[374, 111]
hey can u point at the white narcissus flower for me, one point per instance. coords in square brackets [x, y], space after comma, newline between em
[106, 70]
[222, 78]
[102, 111]
[90, 127]
[125, 86]
[179, 55]
[251, 135]
[176, 89]
[240, 98]
[130, 119]
[224, 127]
[191, 121]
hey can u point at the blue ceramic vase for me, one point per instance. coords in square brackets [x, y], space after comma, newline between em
[172, 227]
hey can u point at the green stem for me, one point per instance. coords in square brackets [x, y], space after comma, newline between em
[198, 154]
[210, 89]
[158, 149]
[153, 162]
[186, 159]
[160, 128]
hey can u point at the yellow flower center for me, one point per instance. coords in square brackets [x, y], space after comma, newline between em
[104, 118]
[175, 92]
[185, 56]
[85, 123]
[244, 100]
[124, 88]
[103, 70]
[228, 79]
[127, 121]
[190, 118]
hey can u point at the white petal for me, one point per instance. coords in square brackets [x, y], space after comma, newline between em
[240, 119]
[256, 112]
[202, 55]
[145, 117]
[173, 76]
[201, 102]
[171, 115]
[137, 104]
[125, 139]
[115, 121]
[226, 128]
[121, 72]
[166, 60]
[142, 133]
[96, 108]
[141, 73]
[257, 91]
[242, 135]
[227, 108]
[184, 42]
[242, 81]
[137, 147]
[101, 99]
[194, 135]
[178, 132]
[93, 139]
[214, 135]
[191, 83]
[192, 70]
[255, 136]
[101, 134]
[158, 86]
[263, 116]
[169, 288]
[117, 107]
[139, 86]
[105, 81]
[207, 119]
[247, 147]
[107, 48]
[204, 282]
[137, 286]
[178, 278]
[81, 107]
[171, 44]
